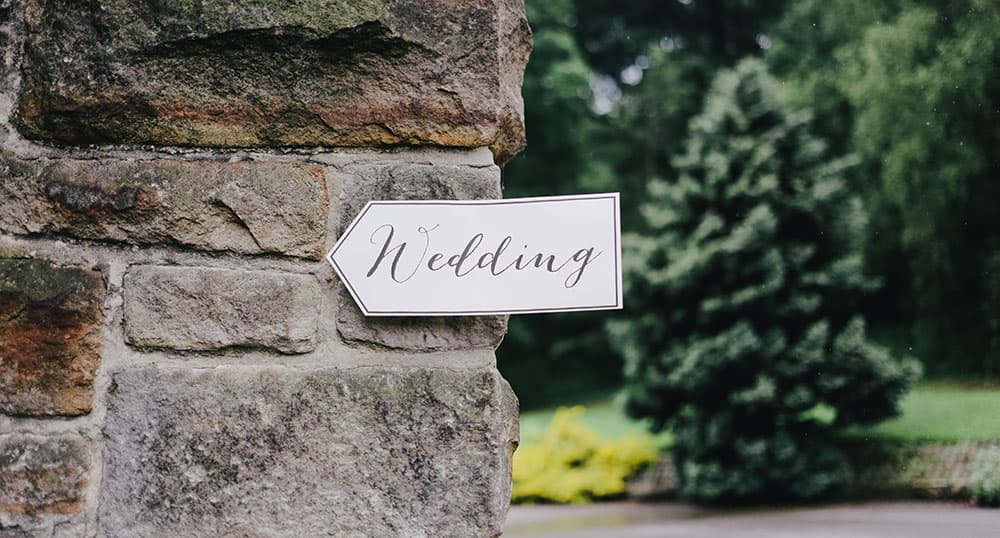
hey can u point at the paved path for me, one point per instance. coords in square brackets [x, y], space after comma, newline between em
[669, 520]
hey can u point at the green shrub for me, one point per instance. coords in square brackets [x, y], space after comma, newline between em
[986, 477]
[743, 336]
[572, 464]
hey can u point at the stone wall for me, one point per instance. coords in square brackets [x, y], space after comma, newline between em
[176, 359]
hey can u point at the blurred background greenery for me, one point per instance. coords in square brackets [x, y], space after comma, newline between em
[810, 192]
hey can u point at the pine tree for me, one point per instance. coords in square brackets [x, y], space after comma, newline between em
[744, 339]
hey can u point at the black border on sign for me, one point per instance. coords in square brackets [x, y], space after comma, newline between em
[536, 200]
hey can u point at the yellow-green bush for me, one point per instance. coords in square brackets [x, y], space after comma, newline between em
[572, 464]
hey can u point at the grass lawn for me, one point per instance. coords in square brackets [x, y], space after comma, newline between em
[604, 417]
[943, 412]
[931, 412]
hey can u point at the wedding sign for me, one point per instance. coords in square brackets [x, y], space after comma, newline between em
[482, 257]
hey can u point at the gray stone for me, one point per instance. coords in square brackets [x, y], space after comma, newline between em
[204, 309]
[19, 532]
[269, 452]
[415, 182]
[50, 337]
[276, 73]
[514, 50]
[246, 207]
[405, 181]
[42, 476]
[441, 333]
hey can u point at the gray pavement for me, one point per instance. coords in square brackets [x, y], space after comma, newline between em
[668, 520]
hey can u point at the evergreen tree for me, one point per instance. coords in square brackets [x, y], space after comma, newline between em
[744, 338]
[577, 146]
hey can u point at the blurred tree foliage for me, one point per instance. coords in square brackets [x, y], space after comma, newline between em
[581, 48]
[913, 87]
[557, 111]
[539, 349]
[613, 34]
[745, 339]
[742, 327]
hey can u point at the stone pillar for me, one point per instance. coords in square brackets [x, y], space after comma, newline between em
[176, 359]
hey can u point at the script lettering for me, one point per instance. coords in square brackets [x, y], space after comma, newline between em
[466, 262]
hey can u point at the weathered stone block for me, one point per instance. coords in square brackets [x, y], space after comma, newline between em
[203, 309]
[18, 532]
[287, 452]
[50, 337]
[42, 475]
[441, 333]
[246, 207]
[276, 73]
[406, 181]
[366, 182]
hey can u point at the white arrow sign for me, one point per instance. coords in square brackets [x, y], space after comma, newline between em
[481, 257]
